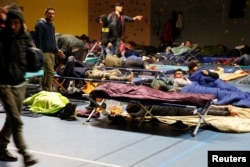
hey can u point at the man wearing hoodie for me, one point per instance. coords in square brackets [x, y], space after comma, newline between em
[14, 41]
[45, 40]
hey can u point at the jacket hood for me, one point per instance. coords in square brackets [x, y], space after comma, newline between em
[15, 10]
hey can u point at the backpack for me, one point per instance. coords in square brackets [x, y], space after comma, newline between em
[35, 59]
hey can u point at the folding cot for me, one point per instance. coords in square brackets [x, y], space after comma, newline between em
[60, 80]
[183, 58]
[161, 71]
[146, 96]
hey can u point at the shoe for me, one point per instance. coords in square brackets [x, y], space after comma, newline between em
[29, 160]
[7, 156]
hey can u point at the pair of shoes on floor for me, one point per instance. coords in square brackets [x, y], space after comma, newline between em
[179, 125]
[7, 156]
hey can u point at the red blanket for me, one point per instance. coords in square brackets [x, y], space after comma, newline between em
[147, 95]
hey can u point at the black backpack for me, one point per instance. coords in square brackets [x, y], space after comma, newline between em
[35, 59]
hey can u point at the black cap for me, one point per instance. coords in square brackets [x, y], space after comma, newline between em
[118, 4]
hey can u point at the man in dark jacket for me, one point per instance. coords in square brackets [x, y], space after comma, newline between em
[108, 36]
[118, 19]
[14, 41]
[45, 40]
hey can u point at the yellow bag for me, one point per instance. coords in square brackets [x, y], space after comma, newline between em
[89, 86]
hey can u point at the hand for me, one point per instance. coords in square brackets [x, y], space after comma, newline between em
[3, 13]
[61, 54]
[204, 72]
[109, 44]
[139, 18]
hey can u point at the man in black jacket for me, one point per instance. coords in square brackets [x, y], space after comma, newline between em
[14, 41]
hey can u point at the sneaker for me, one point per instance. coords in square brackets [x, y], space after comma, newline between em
[7, 156]
[29, 160]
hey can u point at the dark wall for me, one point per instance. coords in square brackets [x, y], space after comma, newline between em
[206, 22]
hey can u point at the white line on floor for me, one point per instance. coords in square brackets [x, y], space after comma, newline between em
[71, 158]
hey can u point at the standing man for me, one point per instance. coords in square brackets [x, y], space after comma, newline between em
[118, 19]
[108, 38]
[45, 40]
[14, 41]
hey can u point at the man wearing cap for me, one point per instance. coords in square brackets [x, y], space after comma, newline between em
[118, 19]
[14, 41]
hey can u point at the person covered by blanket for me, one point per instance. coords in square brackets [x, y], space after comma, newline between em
[207, 82]
[79, 69]
[14, 40]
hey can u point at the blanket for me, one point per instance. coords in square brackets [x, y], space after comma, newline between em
[234, 124]
[147, 95]
[224, 92]
[228, 74]
[46, 102]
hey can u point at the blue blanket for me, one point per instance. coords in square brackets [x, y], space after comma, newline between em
[224, 92]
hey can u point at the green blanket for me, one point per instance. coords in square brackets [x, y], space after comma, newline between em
[45, 102]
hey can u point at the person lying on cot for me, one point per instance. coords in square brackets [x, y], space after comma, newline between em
[210, 84]
[183, 48]
[79, 69]
[159, 110]
[114, 61]
[180, 80]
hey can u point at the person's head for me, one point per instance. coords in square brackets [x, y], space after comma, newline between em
[15, 19]
[118, 6]
[178, 73]
[103, 20]
[188, 43]
[192, 68]
[84, 38]
[50, 14]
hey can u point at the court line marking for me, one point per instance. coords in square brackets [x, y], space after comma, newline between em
[178, 156]
[71, 158]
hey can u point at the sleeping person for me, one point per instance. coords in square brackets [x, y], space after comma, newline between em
[79, 69]
[135, 110]
[224, 92]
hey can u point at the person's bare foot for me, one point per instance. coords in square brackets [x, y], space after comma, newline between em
[130, 77]
[232, 111]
